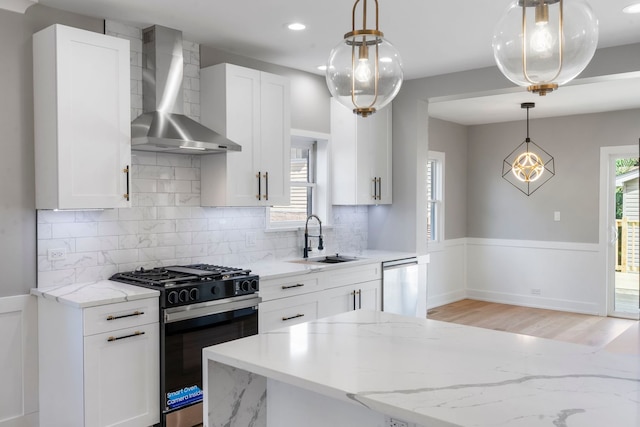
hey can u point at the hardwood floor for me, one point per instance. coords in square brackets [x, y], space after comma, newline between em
[595, 331]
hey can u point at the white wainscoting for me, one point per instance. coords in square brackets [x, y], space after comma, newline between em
[554, 275]
[19, 361]
[446, 275]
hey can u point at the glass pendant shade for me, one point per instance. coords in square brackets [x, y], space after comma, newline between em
[528, 166]
[364, 71]
[543, 44]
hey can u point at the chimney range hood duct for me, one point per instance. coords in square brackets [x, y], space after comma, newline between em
[163, 127]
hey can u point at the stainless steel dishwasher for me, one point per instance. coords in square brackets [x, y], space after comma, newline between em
[402, 291]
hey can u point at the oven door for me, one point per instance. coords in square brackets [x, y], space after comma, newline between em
[187, 330]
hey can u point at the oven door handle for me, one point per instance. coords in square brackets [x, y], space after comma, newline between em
[208, 308]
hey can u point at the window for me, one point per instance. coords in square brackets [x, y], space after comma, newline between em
[302, 178]
[435, 197]
[308, 182]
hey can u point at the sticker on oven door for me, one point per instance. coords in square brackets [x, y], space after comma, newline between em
[184, 396]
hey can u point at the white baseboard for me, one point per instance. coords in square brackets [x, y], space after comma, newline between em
[443, 299]
[534, 301]
[563, 276]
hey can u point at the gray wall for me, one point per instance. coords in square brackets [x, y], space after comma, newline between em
[498, 210]
[410, 118]
[309, 93]
[17, 177]
[451, 138]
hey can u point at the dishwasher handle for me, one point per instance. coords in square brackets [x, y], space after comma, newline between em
[400, 263]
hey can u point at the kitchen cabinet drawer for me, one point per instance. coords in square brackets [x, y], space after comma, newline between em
[352, 275]
[287, 311]
[112, 317]
[288, 287]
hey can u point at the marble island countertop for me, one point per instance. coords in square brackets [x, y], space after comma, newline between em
[441, 374]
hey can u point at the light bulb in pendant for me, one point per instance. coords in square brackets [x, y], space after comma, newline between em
[542, 41]
[363, 73]
[528, 167]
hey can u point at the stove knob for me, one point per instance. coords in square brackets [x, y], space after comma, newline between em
[183, 296]
[172, 297]
[194, 294]
[245, 285]
[254, 284]
[215, 290]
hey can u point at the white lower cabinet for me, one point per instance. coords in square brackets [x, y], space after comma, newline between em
[358, 296]
[99, 366]
[297, 299]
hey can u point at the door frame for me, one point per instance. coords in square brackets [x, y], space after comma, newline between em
[606, 218]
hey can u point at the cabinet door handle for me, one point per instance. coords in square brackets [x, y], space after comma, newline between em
[259, 195]
[353, 294]
[126, 172]
[375, 188]
[135, 313]
[284, 319]
[266, 185]
[297, 285]
[359, 298]
[135, 334]
[379, 188]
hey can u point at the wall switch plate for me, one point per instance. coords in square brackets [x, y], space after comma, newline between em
[556, 216]
[56, 254]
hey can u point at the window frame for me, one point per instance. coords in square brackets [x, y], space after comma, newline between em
[435, 205]
[320, 200]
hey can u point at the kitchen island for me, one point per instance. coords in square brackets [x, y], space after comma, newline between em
[362, 367]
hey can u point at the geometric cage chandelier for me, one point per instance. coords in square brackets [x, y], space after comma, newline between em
[528, 166]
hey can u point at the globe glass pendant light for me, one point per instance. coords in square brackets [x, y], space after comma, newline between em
[364, 71]
[543, 44]
[529, 166]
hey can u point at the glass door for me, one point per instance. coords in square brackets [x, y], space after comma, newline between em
[623, 234]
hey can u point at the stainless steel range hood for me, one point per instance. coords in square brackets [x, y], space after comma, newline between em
[163, 126]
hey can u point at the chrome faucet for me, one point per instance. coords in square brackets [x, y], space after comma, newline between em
[307, 249]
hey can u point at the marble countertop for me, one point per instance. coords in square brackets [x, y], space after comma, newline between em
[274, 269]
[92, 294]
[107, 292]
[443, 374]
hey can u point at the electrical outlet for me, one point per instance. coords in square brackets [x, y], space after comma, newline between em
[536, 291]
[392, 422]
[56, 254]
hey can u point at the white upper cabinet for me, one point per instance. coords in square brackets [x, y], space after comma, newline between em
[82, 119]
[251, 108]
[361, 156]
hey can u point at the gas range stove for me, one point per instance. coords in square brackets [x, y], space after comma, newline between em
[190, 284]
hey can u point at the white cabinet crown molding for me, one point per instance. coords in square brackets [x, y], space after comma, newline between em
[18, 6]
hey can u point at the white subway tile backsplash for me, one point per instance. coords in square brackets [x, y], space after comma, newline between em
[43, 231]
[153, 172]
[173, 186]
[117, 228]
[119, 256]
[174, 212]
[73, 229]
[187, 174]
[144, 158]
[95, 244]
[135, 241]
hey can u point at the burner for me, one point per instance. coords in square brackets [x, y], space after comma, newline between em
[157, 271]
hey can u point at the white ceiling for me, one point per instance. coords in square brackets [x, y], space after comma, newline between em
[433, 37]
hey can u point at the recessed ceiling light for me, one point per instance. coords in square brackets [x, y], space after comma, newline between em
[632, 8]
[322, 67]
[296, 26]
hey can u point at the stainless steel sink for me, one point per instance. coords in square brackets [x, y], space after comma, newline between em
[327, 259]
